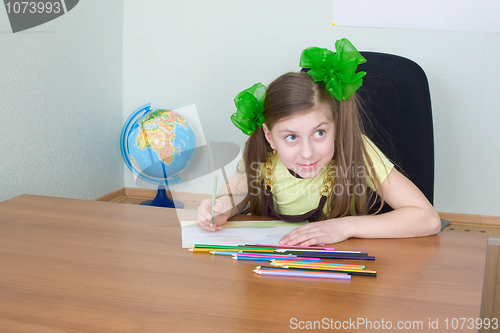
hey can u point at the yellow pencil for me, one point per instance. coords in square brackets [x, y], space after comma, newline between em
[327, 268]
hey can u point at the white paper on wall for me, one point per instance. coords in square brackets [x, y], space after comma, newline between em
[455, 15]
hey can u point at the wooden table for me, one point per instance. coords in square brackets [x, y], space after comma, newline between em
[71, 265]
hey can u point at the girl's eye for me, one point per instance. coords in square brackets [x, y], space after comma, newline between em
[291, 138]
[319, 134]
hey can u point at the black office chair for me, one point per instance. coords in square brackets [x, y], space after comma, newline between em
[399, 117]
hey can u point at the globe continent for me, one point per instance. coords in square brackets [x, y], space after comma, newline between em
[160, 145]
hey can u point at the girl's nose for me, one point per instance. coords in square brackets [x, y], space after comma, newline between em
[307, 149]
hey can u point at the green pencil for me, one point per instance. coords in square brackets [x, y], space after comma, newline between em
[213, 200]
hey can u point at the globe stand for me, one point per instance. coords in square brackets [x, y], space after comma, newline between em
[162, 200]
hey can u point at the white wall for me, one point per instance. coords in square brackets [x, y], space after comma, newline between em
[67, 86]
[61, 104]
[181, 52]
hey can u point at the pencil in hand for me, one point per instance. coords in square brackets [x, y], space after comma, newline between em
[213, 201]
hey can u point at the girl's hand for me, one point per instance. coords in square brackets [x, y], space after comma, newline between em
[222, 211]
[324, 232]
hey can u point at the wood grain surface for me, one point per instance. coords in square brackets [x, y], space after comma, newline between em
[70, 265]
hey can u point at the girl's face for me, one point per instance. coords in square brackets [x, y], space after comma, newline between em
[304, 142]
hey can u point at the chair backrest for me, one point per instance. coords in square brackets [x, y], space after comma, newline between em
[399, 115]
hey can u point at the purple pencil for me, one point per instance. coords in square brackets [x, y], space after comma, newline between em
[303, 274]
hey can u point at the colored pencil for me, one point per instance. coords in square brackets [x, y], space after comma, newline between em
[325, 268]
[315, 251]
[273, 256]
[280, 262]
[277, 246]
[273, 252]
[227, 250]
[351, 272]
[328, 253]
[262, 254]
[334, 256]
[241, 248]
[252, 258]
[222, 253]
[291, 264]
[303, 274]
[317, 266]
[270, 258]
[357, 273]
[214, 194]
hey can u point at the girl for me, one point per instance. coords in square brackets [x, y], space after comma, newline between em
[308, 159]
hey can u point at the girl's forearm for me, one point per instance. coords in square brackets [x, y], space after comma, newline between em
[237, 202]
[399, 223]
[235, 192]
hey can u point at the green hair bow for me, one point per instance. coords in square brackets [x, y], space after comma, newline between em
[336, 70]
[249, 104]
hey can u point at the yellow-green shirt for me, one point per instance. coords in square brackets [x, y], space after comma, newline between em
[296, 196]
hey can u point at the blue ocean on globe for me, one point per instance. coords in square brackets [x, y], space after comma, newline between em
[157, 145]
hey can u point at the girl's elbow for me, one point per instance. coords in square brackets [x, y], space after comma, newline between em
[434, 222]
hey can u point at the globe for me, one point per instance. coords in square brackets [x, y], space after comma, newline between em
[157, 145]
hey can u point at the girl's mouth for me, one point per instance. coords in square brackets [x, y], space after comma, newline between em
[308, 166]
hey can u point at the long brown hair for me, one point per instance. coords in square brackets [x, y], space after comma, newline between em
[295, 93]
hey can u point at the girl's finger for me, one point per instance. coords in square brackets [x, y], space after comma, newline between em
[202, 225]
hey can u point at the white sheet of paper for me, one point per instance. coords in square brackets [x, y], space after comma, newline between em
[455, 15]
[238, 233]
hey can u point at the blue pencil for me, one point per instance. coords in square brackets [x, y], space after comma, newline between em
[253, 258]
[222, 253]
